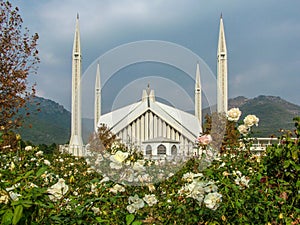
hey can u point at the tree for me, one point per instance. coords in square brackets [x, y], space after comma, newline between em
[18, 59]
[223, 131]
[103, 139]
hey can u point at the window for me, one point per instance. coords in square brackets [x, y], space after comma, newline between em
[148, 150]
[174, 150]
[161, 150]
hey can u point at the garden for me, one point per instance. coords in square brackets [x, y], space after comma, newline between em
[232, 186]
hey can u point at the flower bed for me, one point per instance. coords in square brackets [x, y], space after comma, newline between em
[238, 187]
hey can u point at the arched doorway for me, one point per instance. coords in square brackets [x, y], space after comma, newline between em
[161, 150]
[148, 150]
[174, 150]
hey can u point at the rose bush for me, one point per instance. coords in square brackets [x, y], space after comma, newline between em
[238, 187]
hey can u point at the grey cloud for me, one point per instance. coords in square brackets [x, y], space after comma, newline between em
[262, 37]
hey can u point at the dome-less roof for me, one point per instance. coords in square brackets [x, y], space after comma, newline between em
[185, 123]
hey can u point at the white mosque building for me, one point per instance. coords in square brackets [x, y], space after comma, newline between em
[155, 128]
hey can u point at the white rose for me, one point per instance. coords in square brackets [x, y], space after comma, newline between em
[117, 188]
[243, 129]
[131, 208]
[96, 210]
[58, 190]
[189, 176]
[139, 166]
[234, 114]
[39, 153]
[212, 200]
[28, 148]
[150, 199]
[119, 157]
[250, 120]
[47, 162]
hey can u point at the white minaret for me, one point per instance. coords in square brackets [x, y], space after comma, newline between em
[76, 143]
[222, 92]
[97, 106]
[198, 101]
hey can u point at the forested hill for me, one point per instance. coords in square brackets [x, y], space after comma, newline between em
[51, 122]
[274, 113]
[47, 123]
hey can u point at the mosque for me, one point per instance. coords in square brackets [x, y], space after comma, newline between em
[155, 128]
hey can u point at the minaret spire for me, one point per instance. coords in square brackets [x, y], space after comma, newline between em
[97, 107]
[76, 143]
[222, 89]
[198, 102]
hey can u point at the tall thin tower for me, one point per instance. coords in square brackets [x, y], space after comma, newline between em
[97, 106]
[76, 142]
[222, 92]
[198, 101]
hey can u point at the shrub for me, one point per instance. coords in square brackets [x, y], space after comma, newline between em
[238, 187]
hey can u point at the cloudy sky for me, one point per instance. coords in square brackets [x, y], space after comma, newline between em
[262, 41]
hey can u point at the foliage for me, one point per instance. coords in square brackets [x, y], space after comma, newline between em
[216, 125]
[9, 141]
[19, 58]
[260, 189]
[49, 122]
[102, 140]
[62, 189]
[223, 130]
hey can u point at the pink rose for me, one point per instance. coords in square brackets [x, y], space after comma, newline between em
[205, 139]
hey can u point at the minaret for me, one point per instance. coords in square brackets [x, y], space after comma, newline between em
[76, 143]
[222, 92]
[97, 107]
[198, 103]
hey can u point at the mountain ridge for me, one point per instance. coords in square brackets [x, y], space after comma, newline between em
[274, 112]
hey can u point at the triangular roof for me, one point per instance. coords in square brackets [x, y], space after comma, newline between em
[185, 123]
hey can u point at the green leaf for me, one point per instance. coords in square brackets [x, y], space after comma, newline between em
[101, 220]
[286, 164]
[1, 139]
[178, 211]
[278, 151]
[41, 171]
[298, 184]
[17, 214]
[137, 223]
[129, 219]
[7, 217]
[24, 176]
[226, 190]
[295, 154]
[25, 203]
[28, 173]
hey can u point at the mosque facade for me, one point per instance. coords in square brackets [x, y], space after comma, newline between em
[155, 128]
